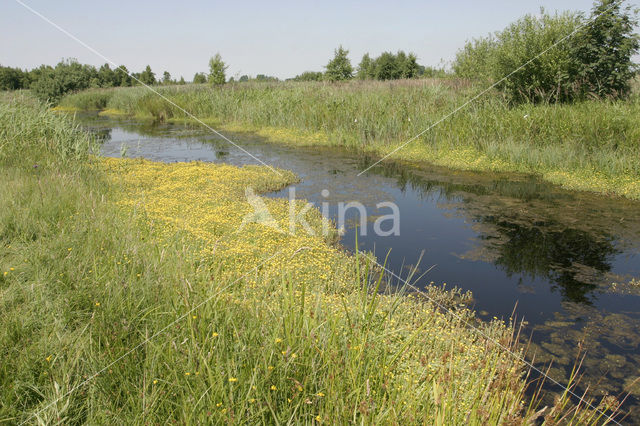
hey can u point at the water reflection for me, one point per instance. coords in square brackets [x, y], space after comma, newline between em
[506, 237]
[573, 261]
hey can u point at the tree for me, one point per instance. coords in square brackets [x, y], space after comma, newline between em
[199, 78]
[366, 68]
[166, 77]
[107, 77]
[243, 78]
[386, 67]
[309, 76]
[339, 68]
[11, 78]
[147, 76]
[601, 52]
[122, 76]
[409, 67]
[217, 70]
[67, 76]
[181, 82]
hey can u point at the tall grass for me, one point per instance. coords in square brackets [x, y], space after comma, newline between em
[111, 314]
[590, 145]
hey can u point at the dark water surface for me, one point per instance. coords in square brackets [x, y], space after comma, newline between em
[510, 239]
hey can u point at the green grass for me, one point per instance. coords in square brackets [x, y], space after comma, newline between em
[85, 281]
[591, 145]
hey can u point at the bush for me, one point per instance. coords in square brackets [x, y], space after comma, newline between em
[557, 58]
[497, 56]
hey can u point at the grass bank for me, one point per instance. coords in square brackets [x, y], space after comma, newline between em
[593, 146]
[127, 296]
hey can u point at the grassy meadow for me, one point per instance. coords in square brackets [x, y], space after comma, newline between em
[589, 145]
[128, 296]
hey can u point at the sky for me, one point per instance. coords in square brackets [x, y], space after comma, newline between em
[278, 38]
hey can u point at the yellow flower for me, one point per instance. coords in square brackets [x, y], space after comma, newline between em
[12, 269]
[97, 303]
[5, 273]
[278, 340]
[49, 358]
[69, 249]
[155, 382]
[194, 316]
[233, 379]
[252, 400]
[187, 374]
[273, 387]
[270, 367]
[318, 419]
[215, 334]
[320, 394]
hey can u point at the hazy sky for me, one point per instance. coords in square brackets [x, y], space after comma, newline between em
[280, 38]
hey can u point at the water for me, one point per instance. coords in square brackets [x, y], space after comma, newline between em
[514, 241]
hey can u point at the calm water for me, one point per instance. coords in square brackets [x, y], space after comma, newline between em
[510, 239]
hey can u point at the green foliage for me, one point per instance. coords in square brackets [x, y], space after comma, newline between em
[386, 67]
[199, 78]
[339, 68]
[309, 76]
[107, 77]
[365, 68]
[66, 77]
[109, 319]
[389, 66]
[593, 58]
[122, 78]
[601, 52]
[593, 138]
[217, 70]
[12, 78]
[166, 78]
[263, 77]
[147, 76]
[541, 79]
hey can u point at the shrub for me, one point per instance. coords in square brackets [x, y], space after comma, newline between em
[557, 58]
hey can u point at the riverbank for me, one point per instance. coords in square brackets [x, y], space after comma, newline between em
[589, 146]
[128, 294]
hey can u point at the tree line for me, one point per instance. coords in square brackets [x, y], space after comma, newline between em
[51, 83]
[539, 58]
[562, 57]
[387, 66]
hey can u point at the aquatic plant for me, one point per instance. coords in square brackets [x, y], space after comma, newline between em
[591, 145]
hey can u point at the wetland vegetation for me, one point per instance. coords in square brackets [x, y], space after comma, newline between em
[122, 301]
[128, 294]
